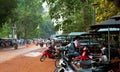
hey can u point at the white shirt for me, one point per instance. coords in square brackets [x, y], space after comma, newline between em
[77, 44]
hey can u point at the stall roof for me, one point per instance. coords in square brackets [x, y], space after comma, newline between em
[62, 35]
[76, 33]
[116, 17]
[107, 24]
[106, 29]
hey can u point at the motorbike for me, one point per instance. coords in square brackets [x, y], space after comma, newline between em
[61, 52]
[64, 51]
[82, 64]
[66, 65]
[50, 53]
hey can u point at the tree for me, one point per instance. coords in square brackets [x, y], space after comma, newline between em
[6, 7]
[105, 9]
[76, 14]
[116, 3]
[47, 27]
[5, 30]
[28, 17]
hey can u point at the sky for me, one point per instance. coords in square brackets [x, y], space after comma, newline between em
[46, 9]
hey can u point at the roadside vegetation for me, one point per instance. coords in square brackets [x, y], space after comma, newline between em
[29, 20]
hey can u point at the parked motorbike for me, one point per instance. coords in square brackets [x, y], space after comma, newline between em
[64, 51]
[66, 65]
[50, 53]
[82, 64]
[61, 52]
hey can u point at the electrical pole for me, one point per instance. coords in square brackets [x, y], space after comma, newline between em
[14, 28]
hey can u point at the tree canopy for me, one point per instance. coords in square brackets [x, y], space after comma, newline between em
[78, 15]
[26, 17]
[6, 7]
[68, 15]
[105, 9]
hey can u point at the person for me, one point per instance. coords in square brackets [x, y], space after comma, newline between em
[41, 43]
[104, 51]
[74, 46]
[48, 42]
[77, 43]
[53, 43]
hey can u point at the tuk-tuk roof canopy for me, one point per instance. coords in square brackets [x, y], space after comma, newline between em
[76, 33]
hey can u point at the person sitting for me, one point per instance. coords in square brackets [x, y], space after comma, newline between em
[74, 47]
[77, 43]
[104, 52]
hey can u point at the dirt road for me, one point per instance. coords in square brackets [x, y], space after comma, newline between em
[27, 63]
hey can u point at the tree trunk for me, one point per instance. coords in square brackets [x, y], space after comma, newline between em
[85, 22]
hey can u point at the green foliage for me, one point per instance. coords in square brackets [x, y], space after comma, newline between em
[26, 17]
[105, 10]
[47, 27]
[5, 30]
[116, 3]
[6, 7]
[76, 14]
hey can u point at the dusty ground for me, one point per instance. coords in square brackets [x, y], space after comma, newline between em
[27, 64]
[22, 63]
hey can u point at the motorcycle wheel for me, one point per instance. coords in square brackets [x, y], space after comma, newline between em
[59, 70]
[57, 63]
[56, 70]
[42, 58]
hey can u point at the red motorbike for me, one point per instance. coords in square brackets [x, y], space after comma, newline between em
[84, 55]
[50, 53]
